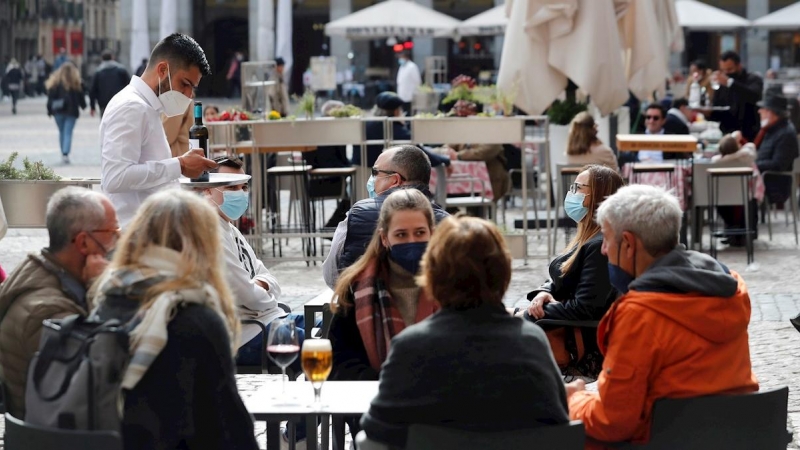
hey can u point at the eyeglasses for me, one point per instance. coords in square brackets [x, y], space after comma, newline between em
[652, 117]
[574, 187]
[375, 173]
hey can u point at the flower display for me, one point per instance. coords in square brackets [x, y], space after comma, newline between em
[274, 115]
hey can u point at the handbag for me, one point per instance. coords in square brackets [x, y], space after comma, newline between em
[59, 102]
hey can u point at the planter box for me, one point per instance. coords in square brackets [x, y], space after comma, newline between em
[467, 130]
[517, 244]
[25, 202]
[321, 131]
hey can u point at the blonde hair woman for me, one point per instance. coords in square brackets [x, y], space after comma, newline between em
[583, 146]
[167, 280]
[64, 97]
[470, 366]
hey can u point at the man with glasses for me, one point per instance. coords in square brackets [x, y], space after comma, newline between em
[655, 116]
[401, 167]
[52, 284]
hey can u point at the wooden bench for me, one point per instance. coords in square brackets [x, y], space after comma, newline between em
[319, 304]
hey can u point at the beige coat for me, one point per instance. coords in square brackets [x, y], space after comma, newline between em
[177, 131]
[746, 156]
[597, 154]
[31, 294]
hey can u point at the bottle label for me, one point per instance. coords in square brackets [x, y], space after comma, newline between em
[194, 143]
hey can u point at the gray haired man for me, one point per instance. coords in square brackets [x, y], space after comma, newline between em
[52, 283]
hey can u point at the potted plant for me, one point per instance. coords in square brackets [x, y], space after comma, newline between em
[307, 104]
[561, 113]
[25, 192]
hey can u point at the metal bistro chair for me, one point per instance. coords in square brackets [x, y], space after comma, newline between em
[744, 176]
[488, 206]
[20, 435]
[732, 422]
[795, 176]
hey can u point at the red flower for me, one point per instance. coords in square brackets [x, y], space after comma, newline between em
[225, 116]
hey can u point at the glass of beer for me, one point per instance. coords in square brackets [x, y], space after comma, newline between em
[317, 360]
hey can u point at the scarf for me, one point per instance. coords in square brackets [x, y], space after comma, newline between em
[378, 318]
[149, 336]
[763, 132]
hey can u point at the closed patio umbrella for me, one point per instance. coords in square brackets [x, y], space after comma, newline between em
[398, 18]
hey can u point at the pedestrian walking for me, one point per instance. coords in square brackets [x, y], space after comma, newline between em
[12, 83]
[110, 78]
[64, 97]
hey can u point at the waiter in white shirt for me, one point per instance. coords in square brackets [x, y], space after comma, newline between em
[136, 160]
[255, 289]
[408, 80]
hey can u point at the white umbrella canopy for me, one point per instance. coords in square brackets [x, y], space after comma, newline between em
[695, 15]
[787, 18]
[488, 23]
[400, 18]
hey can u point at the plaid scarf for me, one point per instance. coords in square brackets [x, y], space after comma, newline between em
[377, 316]
[149, 336]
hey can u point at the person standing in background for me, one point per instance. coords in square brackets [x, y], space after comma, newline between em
[12, 83]
[110, 78]
[408, 80]
[234, 75]
[41, 69]
[64, 97]
[32, 74]
[279, 98]
[60, 59]
[739, 90]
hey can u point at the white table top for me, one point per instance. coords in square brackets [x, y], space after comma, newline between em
[338, 397]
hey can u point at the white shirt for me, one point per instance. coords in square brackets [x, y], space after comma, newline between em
[408, 80]
[652, 156]
[243, 270]
[136, 160]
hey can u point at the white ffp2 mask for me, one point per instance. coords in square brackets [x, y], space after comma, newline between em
[174, 102]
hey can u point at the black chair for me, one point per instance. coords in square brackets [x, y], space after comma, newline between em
[731, 422]
[20, 435]
[560, 437]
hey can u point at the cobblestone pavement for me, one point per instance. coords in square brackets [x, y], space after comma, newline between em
[773, 280]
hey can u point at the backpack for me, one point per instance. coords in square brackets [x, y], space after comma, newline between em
[75, 379]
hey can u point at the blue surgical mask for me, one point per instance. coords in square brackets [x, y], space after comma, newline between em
[408, 255]
[618, 277]
[573, 205]
[401, 61]
[371, 187]
[234, 203]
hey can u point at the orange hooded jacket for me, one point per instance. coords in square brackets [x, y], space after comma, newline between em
[681, 331]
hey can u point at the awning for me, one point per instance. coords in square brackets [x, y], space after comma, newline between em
[695, 15]
[393, 18]
[787, 18]
[488, 23]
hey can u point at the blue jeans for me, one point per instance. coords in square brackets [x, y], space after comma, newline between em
[65, 126]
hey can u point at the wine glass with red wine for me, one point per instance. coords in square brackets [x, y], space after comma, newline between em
[283, 346]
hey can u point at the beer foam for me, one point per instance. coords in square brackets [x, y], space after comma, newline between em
[316, 345]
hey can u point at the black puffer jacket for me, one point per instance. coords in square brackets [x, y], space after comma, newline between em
[777, 153]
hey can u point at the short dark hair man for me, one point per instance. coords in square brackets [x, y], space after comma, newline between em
[404, 166]
[110, 78]
[136, 159]
[739, 90]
